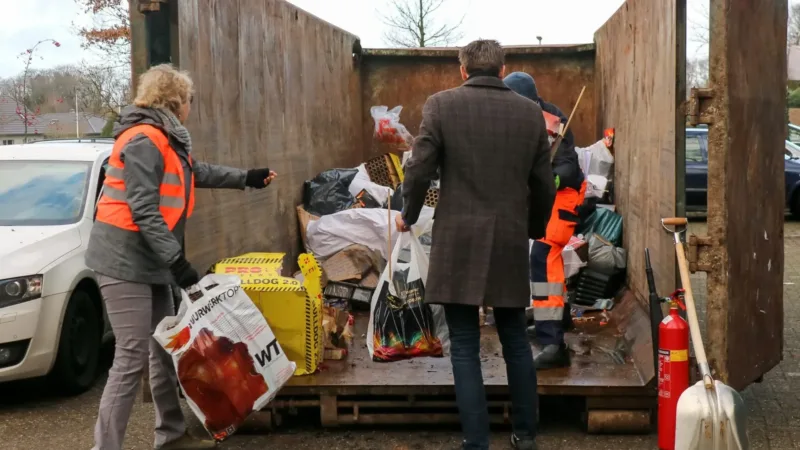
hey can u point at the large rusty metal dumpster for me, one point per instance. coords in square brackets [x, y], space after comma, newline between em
[281, 88]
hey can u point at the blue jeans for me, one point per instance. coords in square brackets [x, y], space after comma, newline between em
[465, 335]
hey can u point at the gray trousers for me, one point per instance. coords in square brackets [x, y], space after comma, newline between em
[134, 310]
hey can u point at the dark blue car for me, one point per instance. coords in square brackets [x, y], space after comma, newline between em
[697, 172]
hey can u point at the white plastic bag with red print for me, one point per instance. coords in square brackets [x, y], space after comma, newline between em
[228, 362]
[388, 128]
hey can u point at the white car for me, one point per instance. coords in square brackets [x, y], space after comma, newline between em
[52, 318]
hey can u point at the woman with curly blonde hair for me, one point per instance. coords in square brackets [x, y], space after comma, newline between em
[136, 248]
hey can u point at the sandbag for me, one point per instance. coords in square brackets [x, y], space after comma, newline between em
[604, 257]
[228, 361]
[328, 192]
[368, 227]
[596, 186]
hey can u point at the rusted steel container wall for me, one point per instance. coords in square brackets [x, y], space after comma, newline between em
[639, 87]
[408, 77]
[275, 87]
[746, 192]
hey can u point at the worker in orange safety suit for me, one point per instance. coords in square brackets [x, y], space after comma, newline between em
[548, 289]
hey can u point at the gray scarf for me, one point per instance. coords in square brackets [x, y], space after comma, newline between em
[176, 128]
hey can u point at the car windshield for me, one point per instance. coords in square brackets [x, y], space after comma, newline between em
[42, 192]
[794, 134]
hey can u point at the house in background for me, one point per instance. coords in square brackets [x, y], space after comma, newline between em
[45, 126]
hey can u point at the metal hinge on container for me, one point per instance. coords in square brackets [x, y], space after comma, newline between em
[699, 109]
[146, 6]
[699, 253]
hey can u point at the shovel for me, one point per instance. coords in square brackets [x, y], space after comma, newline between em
[711, 415]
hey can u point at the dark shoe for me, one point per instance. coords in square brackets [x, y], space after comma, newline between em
[552, 357]
[188, 442]
[523, 444]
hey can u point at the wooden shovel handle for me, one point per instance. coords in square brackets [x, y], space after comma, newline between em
[675, 221]
[691, 309]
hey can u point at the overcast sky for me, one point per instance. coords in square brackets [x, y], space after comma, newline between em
[512, 22]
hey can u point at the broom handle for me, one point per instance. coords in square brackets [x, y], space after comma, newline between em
[691, 313]
[563, 131]
[389, 233]
[577, 102]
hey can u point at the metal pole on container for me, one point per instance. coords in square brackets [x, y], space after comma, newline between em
[77, 123]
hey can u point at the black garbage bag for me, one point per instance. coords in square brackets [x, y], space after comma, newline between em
[328, 193]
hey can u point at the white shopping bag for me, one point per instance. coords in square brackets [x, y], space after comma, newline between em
[401, 324]
[228, 361]
[596, 159]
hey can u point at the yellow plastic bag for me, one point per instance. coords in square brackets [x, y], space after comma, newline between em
[292, 309]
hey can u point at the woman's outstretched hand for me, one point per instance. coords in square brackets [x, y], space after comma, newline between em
[259, 178]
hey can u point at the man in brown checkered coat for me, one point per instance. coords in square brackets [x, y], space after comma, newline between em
[497, 189]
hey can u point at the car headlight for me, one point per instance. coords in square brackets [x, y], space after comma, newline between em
[18, 290]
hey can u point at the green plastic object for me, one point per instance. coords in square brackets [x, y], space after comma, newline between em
[605, 223]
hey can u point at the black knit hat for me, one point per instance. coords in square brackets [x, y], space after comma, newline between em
[523, 84]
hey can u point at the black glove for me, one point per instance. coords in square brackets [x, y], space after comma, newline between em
[256, 178]
[183, 272]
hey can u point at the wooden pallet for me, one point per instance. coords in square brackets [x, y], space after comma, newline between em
[612, 370]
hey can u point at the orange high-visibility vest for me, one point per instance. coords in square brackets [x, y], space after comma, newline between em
[113, 209]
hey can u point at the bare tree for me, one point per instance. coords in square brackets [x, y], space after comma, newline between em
[696, 73]
[412, 24]
[700, 26]
[793, 32]
[103, 90]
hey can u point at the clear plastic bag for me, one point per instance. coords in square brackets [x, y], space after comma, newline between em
[401, 324]
[388, 128]
[596, 159]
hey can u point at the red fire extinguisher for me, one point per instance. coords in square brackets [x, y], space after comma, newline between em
[673, 369]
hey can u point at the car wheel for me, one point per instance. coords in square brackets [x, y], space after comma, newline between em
[75, 369]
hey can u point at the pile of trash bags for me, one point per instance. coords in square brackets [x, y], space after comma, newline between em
[347, 223]
[594, 259]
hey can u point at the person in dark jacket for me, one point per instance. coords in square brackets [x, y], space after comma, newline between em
[490, 146]
[136, 248]
[550, 311]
